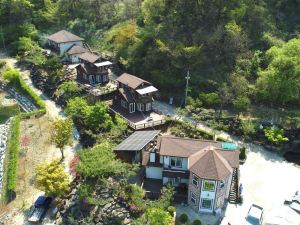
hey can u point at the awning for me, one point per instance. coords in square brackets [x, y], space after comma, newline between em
[105, 63]
[146, 90]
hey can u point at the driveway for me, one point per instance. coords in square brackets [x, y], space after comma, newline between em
[266, 177]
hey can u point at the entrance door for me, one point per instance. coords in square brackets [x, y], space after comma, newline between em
[206, 204]
[131, 107]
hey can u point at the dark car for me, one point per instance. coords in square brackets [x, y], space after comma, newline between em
[41, 205]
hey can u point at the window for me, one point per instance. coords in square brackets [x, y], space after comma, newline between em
[176, 162]
[193, 198]
[195, 180]
[84, 76]
[140, 106]
[131, 107]
[98, 78]
[105, 78]
[148, 106]
[123, 104]
[206, 203]
[174, 181]
[208, 185]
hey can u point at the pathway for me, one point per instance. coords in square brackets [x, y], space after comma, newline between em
[53, 111]
[267, 178]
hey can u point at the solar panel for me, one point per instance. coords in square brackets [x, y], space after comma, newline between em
[137, 140]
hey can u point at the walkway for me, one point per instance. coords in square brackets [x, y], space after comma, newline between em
[267, 178]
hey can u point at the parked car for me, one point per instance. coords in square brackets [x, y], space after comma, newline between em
[254, 216]
[41, 206]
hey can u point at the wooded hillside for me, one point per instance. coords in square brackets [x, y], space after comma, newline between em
[237, 51]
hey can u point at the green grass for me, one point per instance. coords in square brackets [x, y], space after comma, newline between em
[11, 160]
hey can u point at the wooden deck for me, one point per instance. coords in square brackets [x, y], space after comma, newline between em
[138, 120]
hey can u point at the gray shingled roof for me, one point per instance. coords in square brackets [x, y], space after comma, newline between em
[137, 141]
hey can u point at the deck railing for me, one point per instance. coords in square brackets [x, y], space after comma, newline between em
[142, 125]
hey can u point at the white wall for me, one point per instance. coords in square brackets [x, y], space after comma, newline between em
[154, 172]
[166, 162]
[65, 46]
[74, 58]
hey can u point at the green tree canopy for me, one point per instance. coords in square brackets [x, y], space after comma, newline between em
[100, 162]
[52, 179]
[279, 83]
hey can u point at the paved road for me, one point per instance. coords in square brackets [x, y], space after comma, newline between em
[266, 177]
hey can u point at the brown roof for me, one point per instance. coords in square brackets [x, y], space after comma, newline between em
[131, 81]
[64, 36]
[90, 57]
[209, 164]
[182, 147]
[76, 49]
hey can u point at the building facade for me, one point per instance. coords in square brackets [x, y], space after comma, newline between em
[134, 94]
[202, 170]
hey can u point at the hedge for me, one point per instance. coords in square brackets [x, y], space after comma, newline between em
[14, 78]
[11, 162]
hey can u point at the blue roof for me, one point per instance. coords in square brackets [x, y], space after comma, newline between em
[229, 146]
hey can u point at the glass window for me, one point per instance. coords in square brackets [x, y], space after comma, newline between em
[176, 162]
[193, 198]
[206, 203]
[195, 180]
[209, 185]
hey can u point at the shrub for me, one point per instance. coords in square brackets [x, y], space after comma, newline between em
[13, 155]
[183, 218]
[275, 135]
[197, 222]
[171, 210]
[242, 155]
[14, 78]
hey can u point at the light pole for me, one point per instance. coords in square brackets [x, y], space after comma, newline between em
[186, 86]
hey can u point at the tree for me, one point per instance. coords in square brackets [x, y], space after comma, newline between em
[61, 133]
[100, 162]
[275, 135]
[52, 179]
[248, 127]
[97, 117]
[68, 90]
[157, 216]
[280, 81]
[241, 104]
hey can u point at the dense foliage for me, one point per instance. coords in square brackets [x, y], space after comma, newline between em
[13, 154]
[100, 162]
[14, 78]
[52, 178]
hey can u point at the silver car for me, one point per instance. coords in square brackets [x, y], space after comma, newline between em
[254, 216]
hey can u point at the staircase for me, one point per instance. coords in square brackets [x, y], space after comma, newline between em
[234, 188]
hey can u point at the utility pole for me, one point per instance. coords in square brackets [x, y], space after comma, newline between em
[186, 86]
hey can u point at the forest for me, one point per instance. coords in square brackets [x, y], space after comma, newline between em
[238, 52]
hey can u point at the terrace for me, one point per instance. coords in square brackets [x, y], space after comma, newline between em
[139, 121]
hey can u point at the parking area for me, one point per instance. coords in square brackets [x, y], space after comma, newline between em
[267, 181]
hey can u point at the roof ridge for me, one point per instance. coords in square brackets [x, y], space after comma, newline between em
[191, 139]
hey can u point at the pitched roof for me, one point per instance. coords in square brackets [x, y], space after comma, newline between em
[90, 57]
[64, 36]
[209, 164]
[131, 81]
[76, 49]
[182, 147]
[137, 141]
[126, 95]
